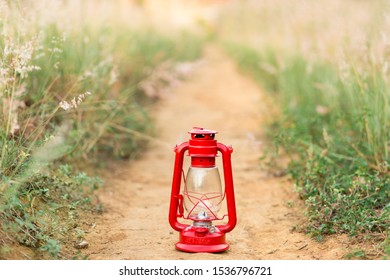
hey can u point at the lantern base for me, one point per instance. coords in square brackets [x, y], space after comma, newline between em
[193, 241]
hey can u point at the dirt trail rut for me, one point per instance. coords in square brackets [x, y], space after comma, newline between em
[136, 198]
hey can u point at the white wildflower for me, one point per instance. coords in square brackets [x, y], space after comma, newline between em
[4, 76]
[24, 70]
[385, 67]
[63, 37]
[88, 74]
[114, 74]
[74, 102]
[39, 55]
[326, 137]
[18, 59]
[12, 105]
[268, 67]
[64, 105]
[322, 110]
[55, 50]
[166, 76]
[3, 5]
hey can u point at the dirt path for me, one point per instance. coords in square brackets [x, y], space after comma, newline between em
[136, 199]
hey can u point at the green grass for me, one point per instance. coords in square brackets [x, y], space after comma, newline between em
[94, 72]
[335, 126]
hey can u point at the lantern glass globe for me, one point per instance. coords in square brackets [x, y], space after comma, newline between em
[203, 194]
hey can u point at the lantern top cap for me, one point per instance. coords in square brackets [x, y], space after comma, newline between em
[201, 130]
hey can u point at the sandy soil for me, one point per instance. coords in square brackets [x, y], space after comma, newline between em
[136, 198]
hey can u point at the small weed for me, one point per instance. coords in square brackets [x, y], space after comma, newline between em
[386, 247]
[290, 204]
[356, 255]
[52, 247]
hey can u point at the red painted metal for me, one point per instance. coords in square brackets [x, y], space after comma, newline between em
[194, 240]
[203, 149]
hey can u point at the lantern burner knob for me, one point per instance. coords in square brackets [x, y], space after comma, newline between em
[203, 223]
[202, 220]
[212, 229]
[202, 215]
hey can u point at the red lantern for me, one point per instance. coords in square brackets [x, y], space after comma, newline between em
[202, 196]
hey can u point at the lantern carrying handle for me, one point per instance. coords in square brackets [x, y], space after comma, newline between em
[226, 152]
[176, 182]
